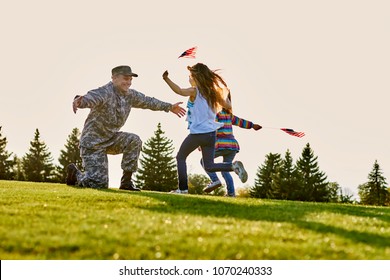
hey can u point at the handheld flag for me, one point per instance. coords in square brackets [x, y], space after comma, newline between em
[293, 133]
[190, 53]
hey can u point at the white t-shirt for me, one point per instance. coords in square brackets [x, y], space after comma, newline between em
[200, 116]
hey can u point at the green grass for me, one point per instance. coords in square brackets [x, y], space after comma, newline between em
[54, 221]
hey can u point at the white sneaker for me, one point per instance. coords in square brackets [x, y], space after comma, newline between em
[239, 169]
[212, 186]
[179, 191]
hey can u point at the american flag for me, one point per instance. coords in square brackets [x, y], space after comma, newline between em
[293, 133]
[190, 53]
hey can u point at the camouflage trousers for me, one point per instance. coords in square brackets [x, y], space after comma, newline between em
[95, 161]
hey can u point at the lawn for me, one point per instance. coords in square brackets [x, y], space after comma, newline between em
[54, 221]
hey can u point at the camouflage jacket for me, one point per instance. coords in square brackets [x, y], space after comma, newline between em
[109, 112]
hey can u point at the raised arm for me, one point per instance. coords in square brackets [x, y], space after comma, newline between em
[180, 91]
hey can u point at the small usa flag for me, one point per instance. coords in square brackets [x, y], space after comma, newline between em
[190, 53]
[293, 133]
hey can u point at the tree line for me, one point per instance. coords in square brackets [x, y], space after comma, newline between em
[37, 165]
[276, 178]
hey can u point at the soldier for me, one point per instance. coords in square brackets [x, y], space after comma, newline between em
[110, 107]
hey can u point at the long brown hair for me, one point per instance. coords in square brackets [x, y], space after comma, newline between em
[208, 83]
[229, 111]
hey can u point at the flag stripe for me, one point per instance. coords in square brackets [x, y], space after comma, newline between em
[190, 53]
[293, 133]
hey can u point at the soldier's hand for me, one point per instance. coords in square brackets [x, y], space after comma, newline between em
[178, 110]
[76, 103]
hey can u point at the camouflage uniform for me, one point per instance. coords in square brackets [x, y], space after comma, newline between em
[101, 136]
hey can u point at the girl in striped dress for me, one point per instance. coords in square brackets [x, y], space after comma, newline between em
[226, 146]
[205, 99]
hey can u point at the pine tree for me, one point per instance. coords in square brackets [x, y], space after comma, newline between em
[6, 164]
[263, 187]
[157, 170]
[313, 184]
[38, 163]
[71, 154]
[340, 195]
[335, 193]
[374, 192]
[18, 169]
[285, 184]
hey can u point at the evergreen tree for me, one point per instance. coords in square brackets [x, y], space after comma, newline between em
[157, 170]
[18, 169]
[71, 154]
[6, 164]
[374, 192]
[345, 196]
[285, 184]
[38, 163]
[265, 174]
[335, 192]
[313, 184]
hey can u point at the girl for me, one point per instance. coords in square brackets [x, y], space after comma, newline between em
[226, 146]
[205, 99]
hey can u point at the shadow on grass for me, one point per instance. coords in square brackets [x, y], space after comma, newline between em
[293, 212]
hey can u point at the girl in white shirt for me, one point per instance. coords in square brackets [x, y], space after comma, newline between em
[205, 99]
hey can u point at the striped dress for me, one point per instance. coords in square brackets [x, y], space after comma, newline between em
[225, 138]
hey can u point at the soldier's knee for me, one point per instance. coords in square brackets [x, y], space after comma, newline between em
[133, 141]
[137, 142]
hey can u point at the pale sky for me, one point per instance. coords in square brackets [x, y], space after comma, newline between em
[321, 67]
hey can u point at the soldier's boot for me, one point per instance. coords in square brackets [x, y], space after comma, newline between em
[71, 178]
[126, 183]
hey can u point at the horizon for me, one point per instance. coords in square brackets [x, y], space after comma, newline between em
[199, 170]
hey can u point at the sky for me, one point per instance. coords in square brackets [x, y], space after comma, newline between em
[321, 67]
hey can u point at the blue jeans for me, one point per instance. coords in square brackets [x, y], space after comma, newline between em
[207, 142]
[228, 156]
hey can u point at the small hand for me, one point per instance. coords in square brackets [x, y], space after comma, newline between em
[178, 110]
[165, 74]
[257, 127]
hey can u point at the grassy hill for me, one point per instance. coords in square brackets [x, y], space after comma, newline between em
[54, 221]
